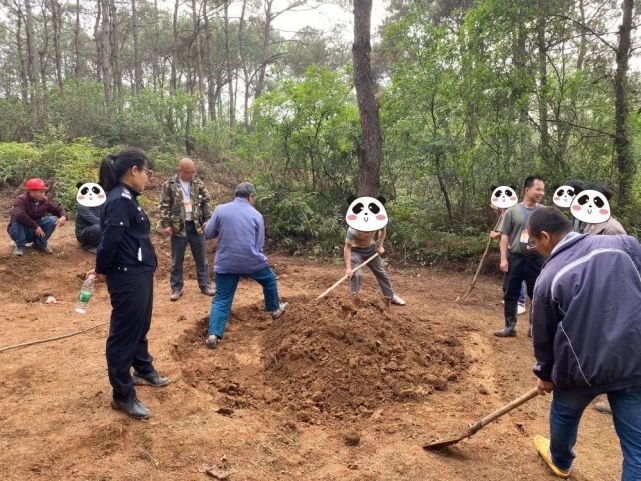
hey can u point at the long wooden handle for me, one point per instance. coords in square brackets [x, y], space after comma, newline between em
[478, 269]
[345, 277]
[532, 393]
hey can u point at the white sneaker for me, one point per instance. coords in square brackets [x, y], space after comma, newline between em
[521, 309]
[281, 308]
[397, 300]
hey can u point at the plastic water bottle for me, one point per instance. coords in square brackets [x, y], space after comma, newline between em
[86, 291]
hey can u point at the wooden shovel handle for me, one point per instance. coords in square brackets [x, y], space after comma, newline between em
[532, 393]
[345, 277]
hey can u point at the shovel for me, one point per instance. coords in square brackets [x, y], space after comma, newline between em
[484, 422]
[336, 284]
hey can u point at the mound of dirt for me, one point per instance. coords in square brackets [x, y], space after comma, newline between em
[346, 356]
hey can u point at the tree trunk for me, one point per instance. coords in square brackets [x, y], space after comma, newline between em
[438, 160]
[105, 49]
[624, 159]
[199, 61]
[230, 76]
[114, 52]
[43, 51]
[241, 52]
[267, 35]
[155, 52]
[137, 84]
[32, 60]
[370, 161]
[56, 13]
[97, 35]
[209, 65]
[544, 130]
[76, 42]
[24, 75]
[174, 60]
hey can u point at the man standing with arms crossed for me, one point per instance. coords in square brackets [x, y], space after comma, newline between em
[519, 258]
[184, 211]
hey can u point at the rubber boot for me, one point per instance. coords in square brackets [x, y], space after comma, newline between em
[509, 310]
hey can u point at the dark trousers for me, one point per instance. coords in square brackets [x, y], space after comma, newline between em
[520, 268]
[90, 236]
[197, 244]
[131, 302]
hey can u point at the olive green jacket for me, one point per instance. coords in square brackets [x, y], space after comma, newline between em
[172, 210]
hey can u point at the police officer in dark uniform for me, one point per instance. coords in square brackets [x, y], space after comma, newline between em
[127, 258]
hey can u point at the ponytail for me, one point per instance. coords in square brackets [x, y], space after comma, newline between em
[113, 167]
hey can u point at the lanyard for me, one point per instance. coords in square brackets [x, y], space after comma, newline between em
[187, 192]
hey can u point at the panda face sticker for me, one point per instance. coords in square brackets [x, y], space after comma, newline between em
[91, 195]
[366, 214]
[504, 197]
[590, 206]
[563, 196]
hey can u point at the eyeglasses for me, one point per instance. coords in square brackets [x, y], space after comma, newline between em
[149, 172]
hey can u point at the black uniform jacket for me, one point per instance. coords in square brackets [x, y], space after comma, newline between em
[125, 244]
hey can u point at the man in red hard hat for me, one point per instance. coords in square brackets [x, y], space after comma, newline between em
[30, 219]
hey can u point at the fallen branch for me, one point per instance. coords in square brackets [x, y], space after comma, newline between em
[40, 341]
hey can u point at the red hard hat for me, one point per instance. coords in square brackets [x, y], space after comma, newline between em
[35, 184]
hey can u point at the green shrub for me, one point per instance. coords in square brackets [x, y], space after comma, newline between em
[19, 162]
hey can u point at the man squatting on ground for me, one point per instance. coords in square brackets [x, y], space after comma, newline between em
[184, 211]
[30, 219]
[586, 330]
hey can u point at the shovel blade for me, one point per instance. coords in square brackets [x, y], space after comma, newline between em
[442, 443]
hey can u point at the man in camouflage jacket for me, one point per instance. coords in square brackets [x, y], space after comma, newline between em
[184, 212]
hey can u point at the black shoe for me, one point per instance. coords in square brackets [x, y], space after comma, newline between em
[505, 332]
[152, 379]
[132, 407]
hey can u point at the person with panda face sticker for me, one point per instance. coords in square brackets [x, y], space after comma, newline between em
[90, 197]
[366, 217]
[519, 258]
[598, 226]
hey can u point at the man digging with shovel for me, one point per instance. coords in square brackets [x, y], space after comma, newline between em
[586, 330]
[366, 216]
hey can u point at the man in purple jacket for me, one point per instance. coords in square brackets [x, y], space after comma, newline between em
[586, 330]
[30, 219]
[240, 230]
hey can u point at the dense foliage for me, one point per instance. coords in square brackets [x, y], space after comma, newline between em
[472, 94]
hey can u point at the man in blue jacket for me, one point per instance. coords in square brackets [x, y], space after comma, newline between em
[586, 330]
[240, 230]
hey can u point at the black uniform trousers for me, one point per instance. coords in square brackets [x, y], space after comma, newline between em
[521, 268]
[131, 301]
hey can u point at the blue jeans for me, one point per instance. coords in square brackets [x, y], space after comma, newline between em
[22, 234]
[226, 288]
[565, 414]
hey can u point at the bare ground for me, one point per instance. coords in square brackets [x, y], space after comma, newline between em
[341, 390]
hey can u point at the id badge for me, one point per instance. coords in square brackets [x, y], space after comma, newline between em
[525, 237]
[187, 205]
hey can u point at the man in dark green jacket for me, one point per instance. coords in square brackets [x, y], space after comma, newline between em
[184, 211]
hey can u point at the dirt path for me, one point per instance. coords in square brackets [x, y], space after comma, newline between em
[277, 400]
